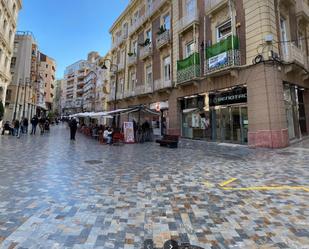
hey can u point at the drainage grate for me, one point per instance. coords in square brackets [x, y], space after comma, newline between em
[93, 161]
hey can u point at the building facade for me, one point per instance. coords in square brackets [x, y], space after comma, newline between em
[58, 97]
[47, 71]
[22, 91]
[219, 70]
[8, 19]
[85, 86]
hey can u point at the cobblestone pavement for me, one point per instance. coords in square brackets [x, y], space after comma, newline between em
[60, 194]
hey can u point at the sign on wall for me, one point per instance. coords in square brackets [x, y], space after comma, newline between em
[218, 60]
[128, 128]
[237, 95]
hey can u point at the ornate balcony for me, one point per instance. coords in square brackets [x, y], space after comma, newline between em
[188, 69]
[188, 20]
[146, 51]
[162, 84]
[222, 55]
[143, 89]
[132, 60]
[163, 39]
[291, 53]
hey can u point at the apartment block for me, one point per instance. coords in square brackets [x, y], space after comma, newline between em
[22, 91]
[8, 21]
[47, 71]
[84, 86]
[218, 70]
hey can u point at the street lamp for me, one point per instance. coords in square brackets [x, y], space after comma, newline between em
[116, 83]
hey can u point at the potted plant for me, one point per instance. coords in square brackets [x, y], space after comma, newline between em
[145, 43]
[130, 54]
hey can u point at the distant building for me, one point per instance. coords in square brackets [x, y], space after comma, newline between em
[58, 97]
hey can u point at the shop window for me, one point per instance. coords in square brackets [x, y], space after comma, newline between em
[167, 68]
[224, 30]
[189, 49]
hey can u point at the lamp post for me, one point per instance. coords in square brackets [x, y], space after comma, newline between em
[116, 83]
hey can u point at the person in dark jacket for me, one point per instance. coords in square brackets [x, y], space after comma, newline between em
[73, 128]
[42, 121]
[25, 125]
[16, 128]
[34, 123]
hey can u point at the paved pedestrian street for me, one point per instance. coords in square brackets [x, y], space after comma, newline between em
[60, 194]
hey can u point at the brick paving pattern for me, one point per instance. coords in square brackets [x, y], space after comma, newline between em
[60, 194]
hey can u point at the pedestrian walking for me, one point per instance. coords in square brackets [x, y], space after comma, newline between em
[73, 128]
[16, 127]
[34, 123]
[42, 124]
[25, 125]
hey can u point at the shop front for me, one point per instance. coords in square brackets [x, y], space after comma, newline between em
[160, 123]
[295, 110]
[220, 116]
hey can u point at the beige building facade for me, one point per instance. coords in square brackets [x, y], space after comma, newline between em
[8, 22]
[219, 70]
[47, 72]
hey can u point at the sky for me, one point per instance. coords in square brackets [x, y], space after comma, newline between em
[67, 30]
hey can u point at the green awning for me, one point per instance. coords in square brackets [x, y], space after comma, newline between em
[222, 46]
[193, 59]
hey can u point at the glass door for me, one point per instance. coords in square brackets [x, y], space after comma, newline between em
[244, 124]
[225, 124]
[236, 125]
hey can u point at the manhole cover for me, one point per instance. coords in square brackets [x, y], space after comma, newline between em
[93, 161]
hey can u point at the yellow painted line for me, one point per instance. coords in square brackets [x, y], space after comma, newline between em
[222, 184]
[208, 184]
[266, 188]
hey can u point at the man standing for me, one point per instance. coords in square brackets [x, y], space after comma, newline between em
[34, 123]
[25, 125]
[73, 128]
[42, 124]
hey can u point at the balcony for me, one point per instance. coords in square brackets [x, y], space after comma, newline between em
[163, 39]
[119, 40]
[302, 9]
[213, 6]
[188, 69]
[156, 5]
[132, 60]
[143, 89]
[222, 55]
[162, 84]
[292, 53]
[187, 21]
[121, 66]
[146, 51]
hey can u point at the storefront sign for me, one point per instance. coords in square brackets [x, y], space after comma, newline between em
[237, 95]
[159, 106]
[218, 60]
[128, 132]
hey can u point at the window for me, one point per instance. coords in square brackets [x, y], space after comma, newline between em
[6, 62]
[46, 75]
[149, 4]
[14, 8]
[132, 81]
[283, 35]
[301, 40]
[134, 47]
[135, 17]
[167, 22]
[13, 62]
[46, 66]
[10, 36]
[15, 47]
[8, 94]
[4, 25]
[189, 48]
[224, 30]
[149, 75]
[148, 34]
[190, 7]
[167, 68]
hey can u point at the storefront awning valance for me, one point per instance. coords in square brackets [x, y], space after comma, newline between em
[230, 43]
